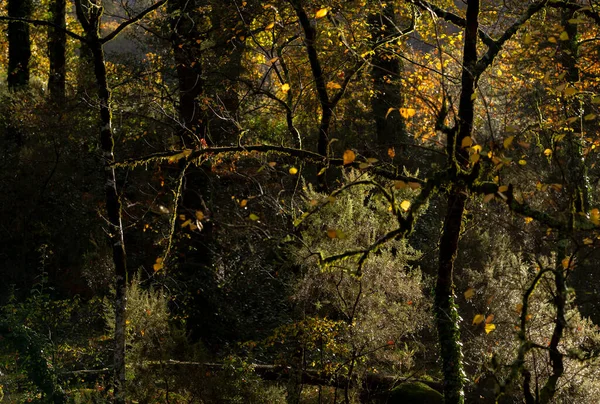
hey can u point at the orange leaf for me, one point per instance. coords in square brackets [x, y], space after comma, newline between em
[349, 157]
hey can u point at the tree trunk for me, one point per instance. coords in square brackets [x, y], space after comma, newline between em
[390, 130]
[57, 43]
[19, 44]
[185, 42]
[91, 25]
[445, 309]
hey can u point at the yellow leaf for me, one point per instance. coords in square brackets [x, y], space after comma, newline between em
[414, 185]
[473, 96]
[469, 293]
[243, 203]
[569, 91]
[372, 160]
[181, 217]
[270, 26]
[405, 205]
[526, 39]
[564, 36]
[293, 171]
[503, 188]
[488, 198]
[253, 217]
[478, 319]
[508, 141]
[522, 162]
[332, 85]
[331, 233]
[158, 264]
[272, 164]
[389, 111]
[590, 117]
[595, 216]
[391, 152]
[321, 13]
[349, 157]
[552, 39]
[528, 220]
[399, 184]
[566, 262]
[474, 158]
[588, 241]
[476, 148]
[363, 166]
[186, 223]
[331, 199]
[285, 87]
[321, 171]
[466, 142]
[596, 99]
[275, 59]
[199, 215]
[407, 112]
[548, 152]
[489, 328]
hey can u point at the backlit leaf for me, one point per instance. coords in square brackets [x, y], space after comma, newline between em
[548, 152]
[321, 13]
[391, 152]
[564, 36]
[331, 233]
[466, 142]
[199, 215]
[253, 217]
[569, 91]
[332, 85]
[489, 328]
[389, 111]
[590, 117]
[405, 205]
[285, 87]
[407, 112]
[270, 26]
[508, 142]
[293, 171]
[488, 198]
[595, 216]
[349, 157]
[469, 293]
[478, 319]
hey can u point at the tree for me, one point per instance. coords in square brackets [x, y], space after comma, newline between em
[19, 49]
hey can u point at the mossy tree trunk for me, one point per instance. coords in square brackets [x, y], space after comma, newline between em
[445, 310]
[90, 20]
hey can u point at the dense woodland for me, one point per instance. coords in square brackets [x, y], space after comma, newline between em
[298, 201]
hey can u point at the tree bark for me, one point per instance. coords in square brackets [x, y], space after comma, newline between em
[445, 309]
[185, 42]
[390, 129]
[91, 25]
[19, 44]
[57, 43]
